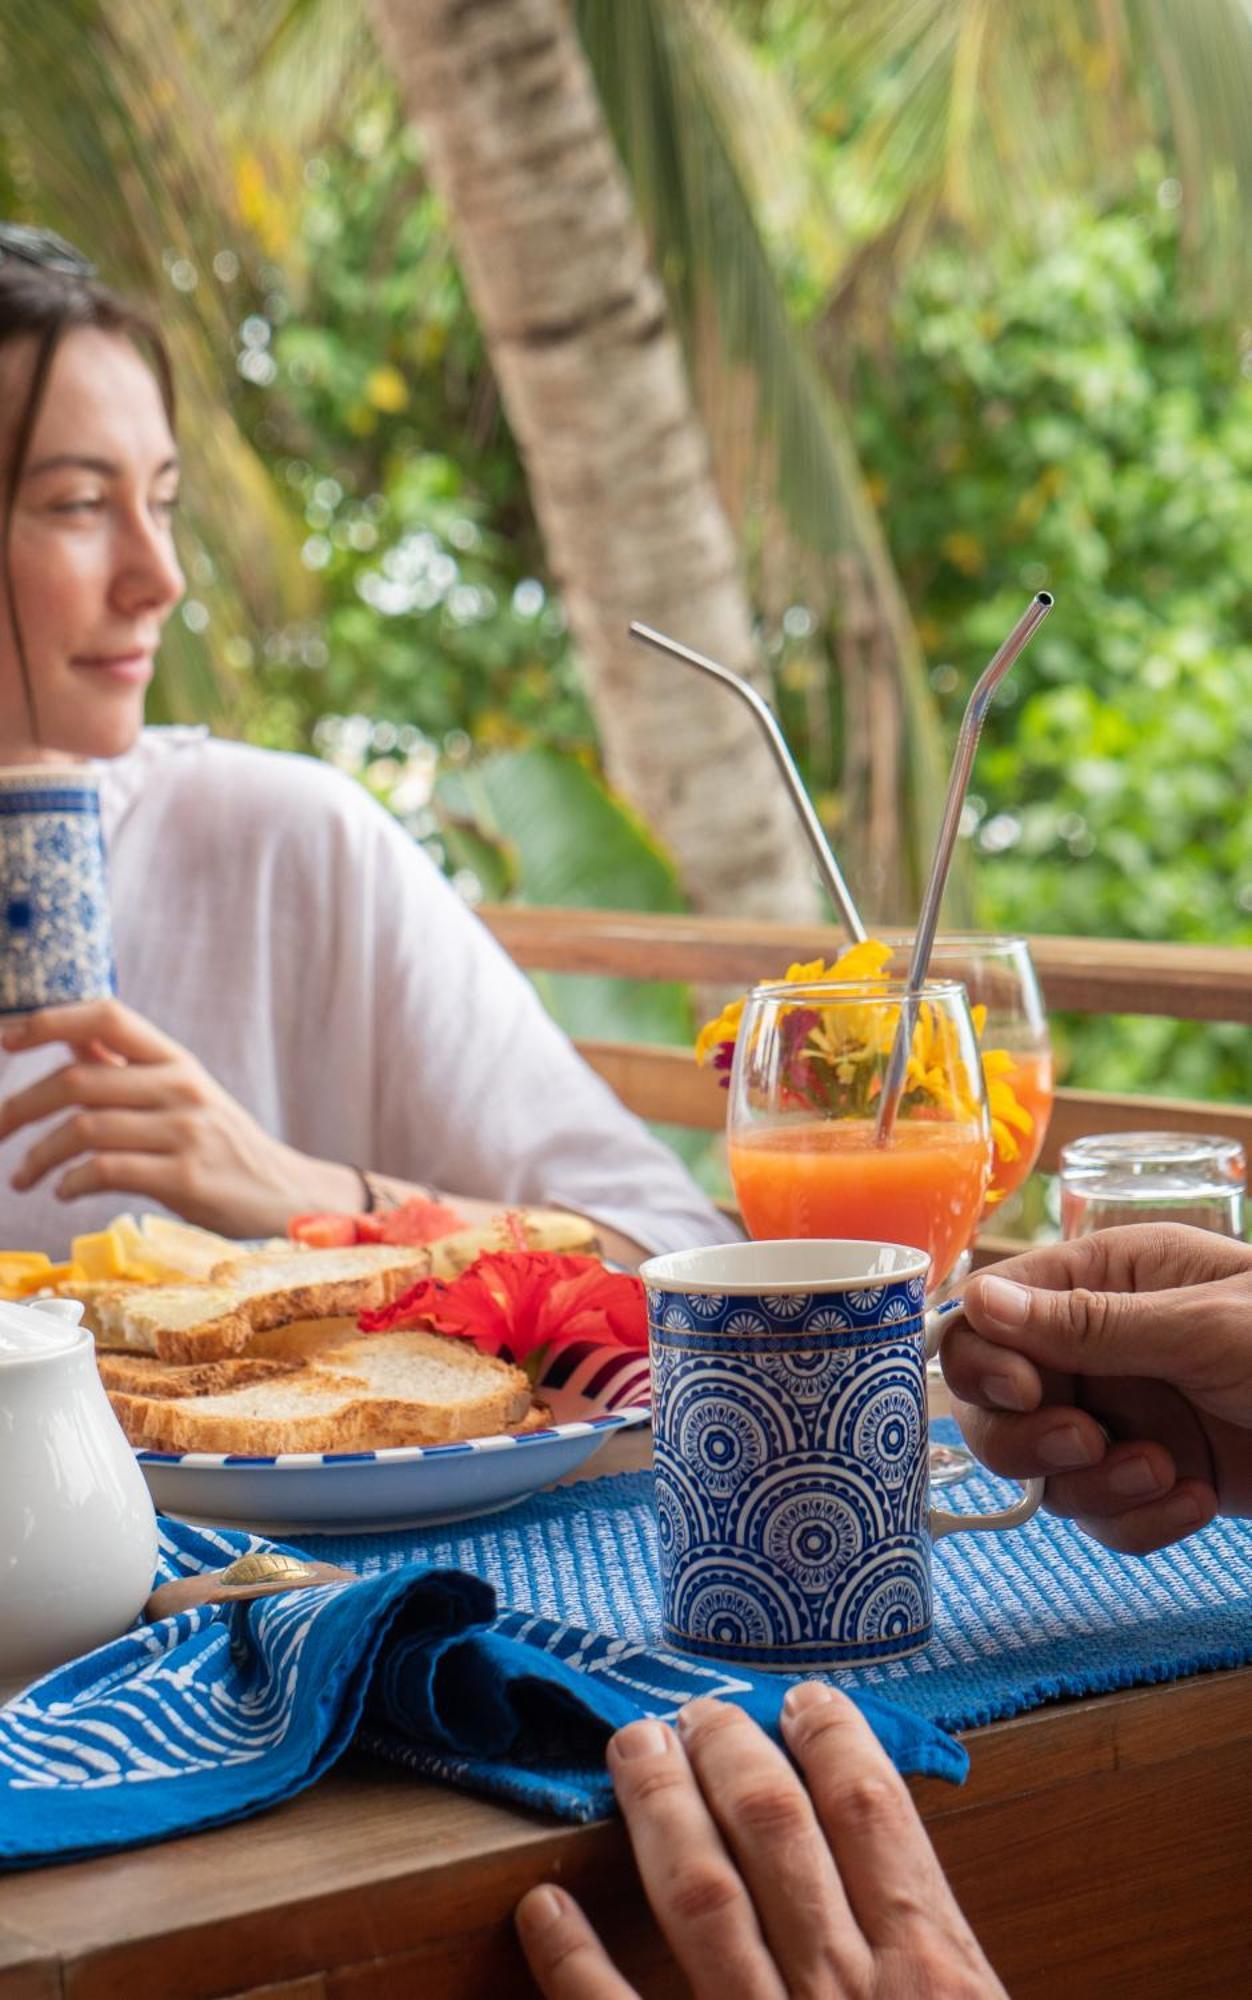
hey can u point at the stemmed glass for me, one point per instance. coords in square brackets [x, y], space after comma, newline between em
[998, 974]
[805, 1158]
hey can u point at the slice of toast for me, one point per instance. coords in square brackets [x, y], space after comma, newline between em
[373, 1392]
[147, 1375]
[208, 1322]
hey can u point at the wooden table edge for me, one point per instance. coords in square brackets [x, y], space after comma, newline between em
[88, 1928]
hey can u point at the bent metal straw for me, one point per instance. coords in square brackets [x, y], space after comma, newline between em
[827, 866]
[958, 783]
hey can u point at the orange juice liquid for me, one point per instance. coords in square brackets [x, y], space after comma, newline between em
[1030, 1080]
[925, 1187]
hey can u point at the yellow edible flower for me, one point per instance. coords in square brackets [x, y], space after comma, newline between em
[846, 1039]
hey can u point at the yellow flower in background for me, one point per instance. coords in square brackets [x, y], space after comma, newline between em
[1008, 1117]
[964, 551]
[387, 390]
[261, 208]
[723, 1029]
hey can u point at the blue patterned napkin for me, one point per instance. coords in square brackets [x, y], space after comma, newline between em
[214, 1714]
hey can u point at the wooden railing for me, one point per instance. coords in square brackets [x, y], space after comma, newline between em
[1078, 975]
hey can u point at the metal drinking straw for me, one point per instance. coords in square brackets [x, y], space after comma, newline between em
[827, 867]
[958, 783]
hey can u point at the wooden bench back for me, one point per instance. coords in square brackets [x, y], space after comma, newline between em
[1078, 975]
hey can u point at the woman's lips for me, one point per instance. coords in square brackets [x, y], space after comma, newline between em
[135, 669]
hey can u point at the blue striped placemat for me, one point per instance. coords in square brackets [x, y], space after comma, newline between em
[1020, 1618]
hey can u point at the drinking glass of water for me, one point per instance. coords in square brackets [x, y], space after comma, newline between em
[1119, 1177]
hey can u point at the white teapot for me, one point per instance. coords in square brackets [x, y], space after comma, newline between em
[78, 1535]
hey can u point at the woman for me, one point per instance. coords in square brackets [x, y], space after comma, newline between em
[304, 1003]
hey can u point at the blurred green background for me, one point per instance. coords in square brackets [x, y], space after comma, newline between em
[999, 246]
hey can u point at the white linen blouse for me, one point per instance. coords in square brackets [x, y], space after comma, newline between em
[276, 921]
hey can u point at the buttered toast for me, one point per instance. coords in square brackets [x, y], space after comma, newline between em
[371, 1392]
[194, 1323]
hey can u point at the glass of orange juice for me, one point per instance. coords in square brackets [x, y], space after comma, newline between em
[999, 975]
[805, 1155]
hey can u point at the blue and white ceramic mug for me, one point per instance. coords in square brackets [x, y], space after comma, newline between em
[791, 1453]
[56, 936]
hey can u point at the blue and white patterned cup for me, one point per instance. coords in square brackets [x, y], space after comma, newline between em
[791, 1454]
[56, 936]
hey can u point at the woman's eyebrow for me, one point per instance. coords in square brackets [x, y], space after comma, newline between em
[82, 462]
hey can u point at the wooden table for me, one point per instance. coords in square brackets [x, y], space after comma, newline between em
[1100, 1848]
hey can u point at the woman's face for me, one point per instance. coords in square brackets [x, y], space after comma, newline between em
[92, 565]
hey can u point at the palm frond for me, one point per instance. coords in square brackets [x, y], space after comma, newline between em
[663, 82]
[296, 68]
[1194, 59]
[107, 141]
[976, 111]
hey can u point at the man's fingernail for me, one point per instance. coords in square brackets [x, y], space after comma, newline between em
[810, 1694]
[1004, 1301]
[1182, 1511]
[1133, 1479]
[542, 1906]
[641, 1739]
[1064, 1449]
[1006, 1393]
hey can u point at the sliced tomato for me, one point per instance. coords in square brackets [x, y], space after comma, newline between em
[323, 1232]
[369, 1228]
[417, 1221]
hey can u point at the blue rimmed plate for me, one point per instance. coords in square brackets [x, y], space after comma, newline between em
[592, 1392]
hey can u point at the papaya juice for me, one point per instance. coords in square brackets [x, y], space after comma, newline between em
[925, 1187]
[1030, 1081]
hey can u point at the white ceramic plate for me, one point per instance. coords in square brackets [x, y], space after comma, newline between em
[411, 1485]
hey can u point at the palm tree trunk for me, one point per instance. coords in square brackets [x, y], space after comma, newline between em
[595, 387]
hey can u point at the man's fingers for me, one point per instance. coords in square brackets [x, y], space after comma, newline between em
[1139, 1258]
[1127, 1476]
[106, 1021]
[1054, 1439]
[887, 1864]
[696, 1892]
[94, 1132]
[86, 1083]
[981, 1371]
[1178, 1335]
[767, 1820]
[1191, 1505]
[566, 1959]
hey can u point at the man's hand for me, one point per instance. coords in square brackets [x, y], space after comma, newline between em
[1119, 1367]
[763, 1885]
[145, 1118]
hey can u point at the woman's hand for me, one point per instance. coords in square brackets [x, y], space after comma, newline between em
[147, 1119]
[764, 1888]
[1118, 1367]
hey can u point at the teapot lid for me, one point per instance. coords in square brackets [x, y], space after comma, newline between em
[36, 1327]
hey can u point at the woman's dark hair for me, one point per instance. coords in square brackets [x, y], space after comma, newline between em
[48, 290]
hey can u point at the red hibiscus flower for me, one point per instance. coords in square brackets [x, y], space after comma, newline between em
[517, 1303]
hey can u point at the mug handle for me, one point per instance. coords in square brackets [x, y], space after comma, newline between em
[942, 1522]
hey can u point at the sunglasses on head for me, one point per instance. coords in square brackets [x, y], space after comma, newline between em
[44, 249]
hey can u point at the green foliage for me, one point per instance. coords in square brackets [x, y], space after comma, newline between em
[572, 844]
[1053, 413]
[374, 404]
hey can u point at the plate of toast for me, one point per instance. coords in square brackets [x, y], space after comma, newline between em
[252, 1398]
